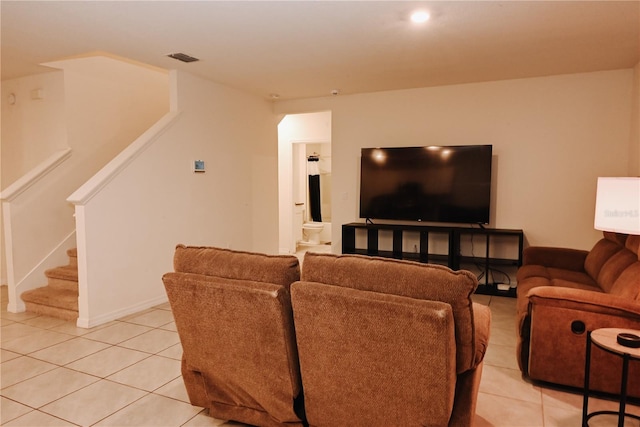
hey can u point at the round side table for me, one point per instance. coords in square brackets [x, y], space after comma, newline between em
[606, 339]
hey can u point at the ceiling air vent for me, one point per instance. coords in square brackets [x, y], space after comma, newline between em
[182, 57]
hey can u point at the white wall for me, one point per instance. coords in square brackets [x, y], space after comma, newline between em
[132, 225]
[634, 144]
[32, 129]
[551, 136]
[109, 103]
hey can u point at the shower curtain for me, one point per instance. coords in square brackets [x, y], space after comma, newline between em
[313, 170]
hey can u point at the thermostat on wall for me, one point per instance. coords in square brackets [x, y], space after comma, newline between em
[198, 166]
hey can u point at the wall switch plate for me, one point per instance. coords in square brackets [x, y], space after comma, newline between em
[37, 94]
[198, 166]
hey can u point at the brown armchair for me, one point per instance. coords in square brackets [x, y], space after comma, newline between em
[233, 314]
[385, 342]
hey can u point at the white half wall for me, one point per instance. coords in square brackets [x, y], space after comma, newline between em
[129, 229]
[552, 137]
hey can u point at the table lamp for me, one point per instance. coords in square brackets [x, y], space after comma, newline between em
[618, 210]
[618, 205]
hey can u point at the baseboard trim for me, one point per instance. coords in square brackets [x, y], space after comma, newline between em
[92, 322]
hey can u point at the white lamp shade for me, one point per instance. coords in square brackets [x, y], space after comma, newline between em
[618, 205]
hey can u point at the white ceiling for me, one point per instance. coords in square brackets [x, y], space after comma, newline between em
[303, 49]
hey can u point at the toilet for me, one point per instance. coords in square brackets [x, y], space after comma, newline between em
[311, 232]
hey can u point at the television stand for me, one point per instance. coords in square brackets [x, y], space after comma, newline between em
[453, 258]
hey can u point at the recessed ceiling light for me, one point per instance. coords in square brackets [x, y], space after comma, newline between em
[420, 16]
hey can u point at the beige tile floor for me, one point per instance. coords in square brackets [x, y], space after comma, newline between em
[127, 373]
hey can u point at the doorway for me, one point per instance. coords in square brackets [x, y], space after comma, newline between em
[301, 136]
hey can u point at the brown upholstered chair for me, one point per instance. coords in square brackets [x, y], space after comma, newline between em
[233, 314]
[385, 342]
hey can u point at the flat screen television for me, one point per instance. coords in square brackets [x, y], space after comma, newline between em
[435, 184]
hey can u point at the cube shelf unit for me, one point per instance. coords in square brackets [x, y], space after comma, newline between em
[453, 259]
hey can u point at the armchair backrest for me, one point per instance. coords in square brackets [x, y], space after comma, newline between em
[410, 279]
[233, 315]
[226, 263]
[386, 342]
[373, 359]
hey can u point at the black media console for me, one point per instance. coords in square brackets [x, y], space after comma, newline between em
[453, 259]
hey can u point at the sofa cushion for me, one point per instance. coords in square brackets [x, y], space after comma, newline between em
[532, 270]
[211, 261]
[523, 288]
[550, 273]
[628, 283]
[602, 251]
[566, 258]
[633, 244]
[613, 268]
[404, 278]
[570, 284]
[578, 277]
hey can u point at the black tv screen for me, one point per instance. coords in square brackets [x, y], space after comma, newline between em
[435, 183]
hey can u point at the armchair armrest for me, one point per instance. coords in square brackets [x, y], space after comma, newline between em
[586, 301]
[569, 259]
[553, 349]
[482, 326]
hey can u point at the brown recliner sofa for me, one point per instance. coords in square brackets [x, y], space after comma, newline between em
[233, 315]
[562, 294]
[385, 342]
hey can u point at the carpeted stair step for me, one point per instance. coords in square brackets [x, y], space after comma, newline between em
[73, 257]
[65, 277]
[60, 297]
[48, 301]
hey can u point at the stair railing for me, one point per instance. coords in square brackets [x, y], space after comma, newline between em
[36, 214]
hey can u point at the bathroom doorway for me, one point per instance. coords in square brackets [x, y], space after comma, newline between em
[304, 147]
[311, 165]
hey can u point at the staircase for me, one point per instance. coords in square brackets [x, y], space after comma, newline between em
[60, 297]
